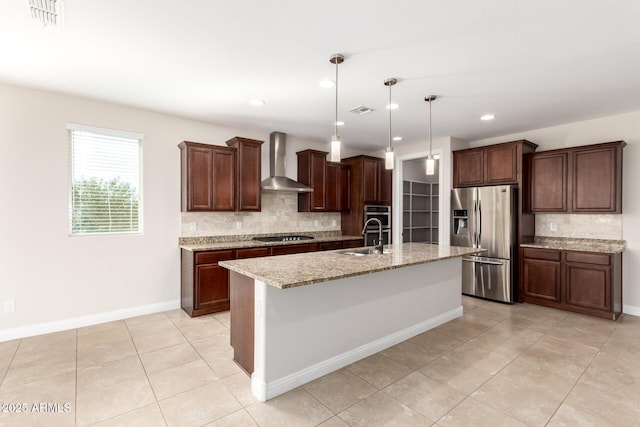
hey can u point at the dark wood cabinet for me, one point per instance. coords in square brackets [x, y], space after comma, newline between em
[584, 179]
[249, 173]
[312, 172]
[208, 177]
[496, 164]
[468, 168]
[549, 182]
[371, 184]
[330, 182]
[204, 285]
[584, 282]
[541, 271]
[216, 178]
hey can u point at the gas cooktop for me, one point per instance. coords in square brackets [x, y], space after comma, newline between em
[288, 238]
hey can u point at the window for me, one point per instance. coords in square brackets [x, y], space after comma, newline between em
[106, 185]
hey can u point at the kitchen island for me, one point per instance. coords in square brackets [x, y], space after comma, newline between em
[295, 318]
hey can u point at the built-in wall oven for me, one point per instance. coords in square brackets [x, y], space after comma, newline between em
[382, 213]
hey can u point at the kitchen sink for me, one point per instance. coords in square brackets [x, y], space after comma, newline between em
[363, 252]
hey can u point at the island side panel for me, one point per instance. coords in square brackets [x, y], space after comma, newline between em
[309, 331]
[241, 290]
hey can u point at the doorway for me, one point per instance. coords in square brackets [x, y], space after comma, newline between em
[420, 202]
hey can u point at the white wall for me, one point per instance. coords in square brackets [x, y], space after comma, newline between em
[56, 278]
[620, 127]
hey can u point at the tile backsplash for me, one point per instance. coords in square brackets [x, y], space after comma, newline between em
[279, 215]
[592, 226]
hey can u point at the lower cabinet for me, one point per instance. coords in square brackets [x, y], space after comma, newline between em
[584, 282]
[204, 285]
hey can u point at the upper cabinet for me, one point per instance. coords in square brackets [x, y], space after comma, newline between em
[330, 182]
[490, 165]
[216, 178]
[208, 177]
[371, 182]
[249, 173]
[585, 179]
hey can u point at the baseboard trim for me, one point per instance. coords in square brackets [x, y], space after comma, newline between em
[631, 309]
[93, 319]
[303, 376]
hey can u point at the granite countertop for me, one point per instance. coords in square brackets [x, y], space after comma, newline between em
[288, 271]
[577, 244]
[213, 244]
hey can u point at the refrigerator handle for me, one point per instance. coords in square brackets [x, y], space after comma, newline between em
[475, 222]
[479, 222]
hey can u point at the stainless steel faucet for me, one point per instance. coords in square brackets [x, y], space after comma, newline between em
[378, 248]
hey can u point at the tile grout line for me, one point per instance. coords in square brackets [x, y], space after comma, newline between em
[4, 376]
[145, 374]
[581, 375]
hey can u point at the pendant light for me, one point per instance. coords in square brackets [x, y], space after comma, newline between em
[335, 139]
[431, 162]
[388, 155]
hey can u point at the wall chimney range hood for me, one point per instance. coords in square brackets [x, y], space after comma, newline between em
[278, 181]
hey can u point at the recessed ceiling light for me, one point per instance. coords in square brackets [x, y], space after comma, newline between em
[326, 83]
[397, 138]
[487, 117]
[256, 102]
[392, 106]
[339, 123]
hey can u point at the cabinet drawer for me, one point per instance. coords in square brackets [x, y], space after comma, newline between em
[252, 253]
[548, 254]
[327, 246]
[294, 249]
[589, 258]
[214, 256]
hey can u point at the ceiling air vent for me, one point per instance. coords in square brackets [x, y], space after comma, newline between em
[361, 109]
[47, 12]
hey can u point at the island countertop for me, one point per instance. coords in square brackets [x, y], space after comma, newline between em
[289, 271]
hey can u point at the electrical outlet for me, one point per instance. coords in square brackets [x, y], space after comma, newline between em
[316, 223]
[553, 226]
[334, 222]
[9, 306]
[193, 226]
[238, 225]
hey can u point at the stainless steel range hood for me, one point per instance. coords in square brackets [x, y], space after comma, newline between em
[278, 181]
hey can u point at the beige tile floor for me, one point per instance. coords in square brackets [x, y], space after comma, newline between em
[498, 365]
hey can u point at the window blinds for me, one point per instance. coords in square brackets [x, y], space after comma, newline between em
[105, 181]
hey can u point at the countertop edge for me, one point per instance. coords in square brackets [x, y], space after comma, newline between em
[242, 244]
[341, 276]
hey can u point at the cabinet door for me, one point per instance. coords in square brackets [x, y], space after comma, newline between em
[542, 279]
[588, 286]
[199, 183]
[211, 281]
[370, 180]
[549, 182]
[224, 171]
[332, 189]
[468, 168]
[248, 157]
[386, 185]
[501, 166]
[345, 188]
[594, 180]
[312, 172]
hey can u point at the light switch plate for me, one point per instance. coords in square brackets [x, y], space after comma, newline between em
[553, 226]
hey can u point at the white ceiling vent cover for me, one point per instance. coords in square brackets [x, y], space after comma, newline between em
[47, 12]
[361, 109]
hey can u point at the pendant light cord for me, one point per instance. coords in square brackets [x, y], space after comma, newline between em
[390, 115]
[429, 126]
[336, 121]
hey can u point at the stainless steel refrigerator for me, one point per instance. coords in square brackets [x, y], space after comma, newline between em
[486, 217]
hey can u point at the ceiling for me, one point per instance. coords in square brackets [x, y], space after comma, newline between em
[532, 64]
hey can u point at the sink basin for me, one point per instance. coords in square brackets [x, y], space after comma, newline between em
[363, 252]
